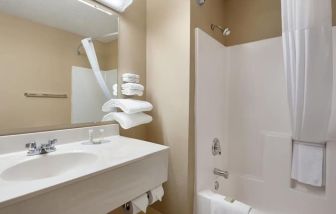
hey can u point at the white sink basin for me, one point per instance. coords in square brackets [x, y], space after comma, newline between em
[103, 177]
[46, 166]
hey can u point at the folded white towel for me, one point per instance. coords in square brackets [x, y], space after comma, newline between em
[131, 92]
[128, 121]
[128, 106]
[308, 163]
[131, 76]
[130, 80]
[133, 86]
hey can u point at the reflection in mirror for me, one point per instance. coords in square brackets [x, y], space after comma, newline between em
[58, 63]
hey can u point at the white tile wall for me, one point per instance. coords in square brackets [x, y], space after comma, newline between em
[245, 86]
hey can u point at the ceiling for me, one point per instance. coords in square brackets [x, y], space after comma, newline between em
[69, 15]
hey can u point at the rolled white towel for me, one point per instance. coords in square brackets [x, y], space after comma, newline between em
[133, 86]
[131, 76]
[130, 80]
[131, 92]
[129, 106]
[128, 121]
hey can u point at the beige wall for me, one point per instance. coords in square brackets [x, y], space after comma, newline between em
[110, 55]
[132, 51]
[254, 20]
[212, 12]
[168, 53]
[132, 57]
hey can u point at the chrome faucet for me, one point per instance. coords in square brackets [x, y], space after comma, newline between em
[33, 149]
[219, 172]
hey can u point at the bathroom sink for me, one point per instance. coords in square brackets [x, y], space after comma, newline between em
[46, 166]
[103, 176]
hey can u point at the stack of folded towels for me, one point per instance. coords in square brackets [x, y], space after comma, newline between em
[132, 112]
[131, 85]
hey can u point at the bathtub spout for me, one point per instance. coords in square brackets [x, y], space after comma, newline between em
[222, 173]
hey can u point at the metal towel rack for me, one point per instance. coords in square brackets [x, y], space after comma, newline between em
[45, 95]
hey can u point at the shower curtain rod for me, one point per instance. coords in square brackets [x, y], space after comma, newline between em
[115, 34]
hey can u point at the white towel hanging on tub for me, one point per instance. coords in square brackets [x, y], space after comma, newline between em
[308, 164]
[308, 60]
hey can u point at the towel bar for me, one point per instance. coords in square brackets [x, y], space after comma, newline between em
[44, 95]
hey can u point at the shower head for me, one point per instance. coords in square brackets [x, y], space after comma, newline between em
[225, 31]
[200, 2]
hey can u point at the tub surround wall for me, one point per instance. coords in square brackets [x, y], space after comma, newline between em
[201, 17]
[210, 107]
[258, 146]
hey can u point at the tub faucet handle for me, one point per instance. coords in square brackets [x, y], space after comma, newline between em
[52, 142]
[216, 147]
[31, 146]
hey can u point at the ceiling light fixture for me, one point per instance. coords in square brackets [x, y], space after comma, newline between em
[117, 5]
[97, 6]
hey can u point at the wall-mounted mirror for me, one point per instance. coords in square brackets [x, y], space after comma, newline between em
[50, 74]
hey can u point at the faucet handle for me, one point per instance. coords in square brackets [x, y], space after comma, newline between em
[52, 142]
[216, 147]
[31, 146]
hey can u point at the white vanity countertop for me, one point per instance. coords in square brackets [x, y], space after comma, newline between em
[119, 152]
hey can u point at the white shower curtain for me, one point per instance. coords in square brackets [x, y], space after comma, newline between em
[91, 54]
[307, 44]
